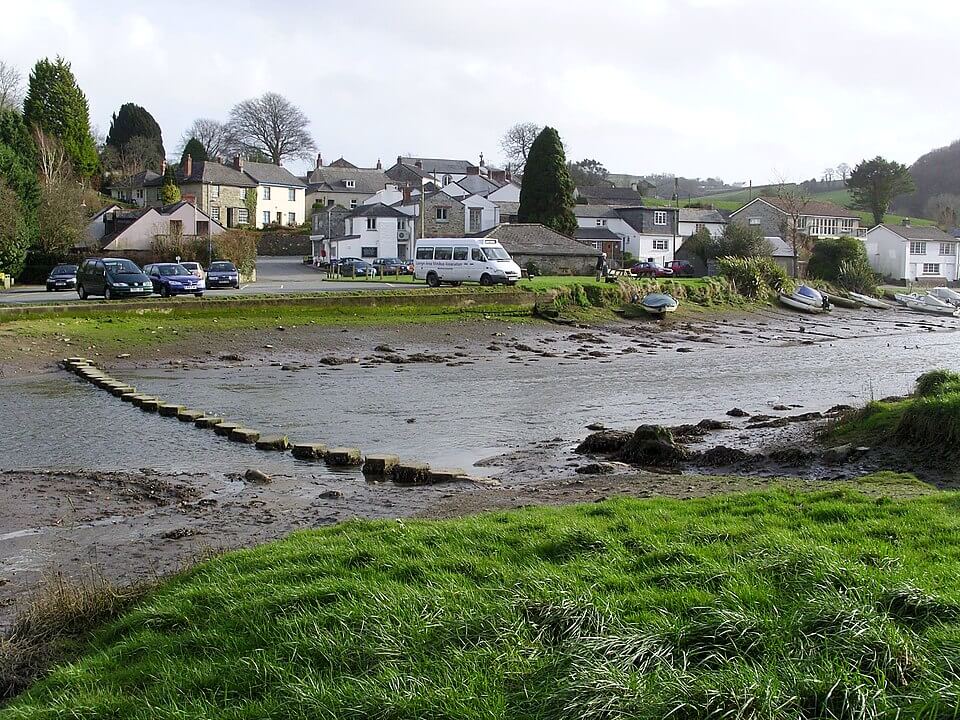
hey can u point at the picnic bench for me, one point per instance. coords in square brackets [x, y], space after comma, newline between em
[614, 275]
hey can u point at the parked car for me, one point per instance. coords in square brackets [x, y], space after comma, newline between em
[650, 269]
[681, 268]
[354, 267]
[62, 277]
[391, 266]
[222, 273]
[194, 268]
[173, 279]
[112, 278]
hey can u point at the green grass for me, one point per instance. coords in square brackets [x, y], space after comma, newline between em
[773, 605]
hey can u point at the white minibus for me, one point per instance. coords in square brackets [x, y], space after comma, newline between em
[457, 260]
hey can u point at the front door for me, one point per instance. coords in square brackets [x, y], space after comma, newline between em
[402, 251]
[230, 219]
[475, 215]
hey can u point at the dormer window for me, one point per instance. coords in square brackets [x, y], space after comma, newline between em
[350, 183]
[447, 179]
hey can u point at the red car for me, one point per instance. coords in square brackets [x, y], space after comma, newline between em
[650, 269]
[681, 268]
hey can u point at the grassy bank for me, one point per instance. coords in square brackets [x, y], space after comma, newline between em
[929, 420]
[767, 605]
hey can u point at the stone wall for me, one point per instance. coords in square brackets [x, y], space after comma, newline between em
[283, 244]
[558, 264]
[451, 227]
[771, 219]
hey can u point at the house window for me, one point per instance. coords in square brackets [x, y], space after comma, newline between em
[176, 228]
[946, 248]
[442, 214]
[203, 228]
[660, 217]
[697, 227]
[214, 191]
[139, 193]
[266, 192]
[931, 268]
[291, 218]
[371, 223]
[661, 244]
[368, 252]
[331, 203]
[215, 213]
[242, 217]
[753, 221]
[475, 217]
[350, 183]
[601, 222]
[918, 248]
[266, 217]
[292, 194]
[353, 203]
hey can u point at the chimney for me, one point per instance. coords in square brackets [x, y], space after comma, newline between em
[188, 166]
[473, 170]
[238, 162]
[498, 176]
[906, 222]
[319, 161]
[399, 158]
[379, 164]
[407, 194]
[481, 159]
[507, 175]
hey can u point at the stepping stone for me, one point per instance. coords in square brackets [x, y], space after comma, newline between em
[151, 405]
[244, 435]
[309, 451]
[379, 465]
[273, 442]
[224, 428]
[207, 421]
[344, 457]
[119, 390]
[411, 473]
[138, 400]
[169, 409]
[189, 415]
[445, 475]
[129, 396]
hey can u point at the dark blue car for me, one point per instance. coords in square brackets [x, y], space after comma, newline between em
[222, 274]
[173, 279]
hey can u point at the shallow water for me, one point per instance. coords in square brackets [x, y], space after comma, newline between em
[460, 414]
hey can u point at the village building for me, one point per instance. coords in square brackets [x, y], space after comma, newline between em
[913, 253]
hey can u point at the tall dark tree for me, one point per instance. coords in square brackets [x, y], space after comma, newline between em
[875, 183]
[195, 149]
[273, 125]
[57, 107]
[18, 163]
[546, 195]
[132, 121]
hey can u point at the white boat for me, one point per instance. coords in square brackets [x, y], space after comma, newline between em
[802, 304]
[930, 304]
[811, 296]
[946, 294]
[870, 302]
[659, 303]
[904, 298]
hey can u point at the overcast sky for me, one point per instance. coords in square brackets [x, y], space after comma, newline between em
[740, 89]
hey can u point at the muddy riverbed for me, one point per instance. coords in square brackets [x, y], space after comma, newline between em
[89, 481]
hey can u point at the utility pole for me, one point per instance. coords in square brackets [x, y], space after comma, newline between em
[676, 219]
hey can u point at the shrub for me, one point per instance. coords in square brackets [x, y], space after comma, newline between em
[857, 275]
[937, 382]
[238, 246]
[532, 268]
[753, 277]
[843, 261]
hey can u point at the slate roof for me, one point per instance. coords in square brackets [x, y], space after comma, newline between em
[270, 174]
[699, 215]
[536, 239]
[406, 173]
[594, 211]
[919, 232]
[333, 179]
[377, 210]
[144, 178]
[820, 208]
[476, 185]
[215, 173]
[341, 162]
[633, 216]
[440, 165]
[596, 233]
[779, 247]
[507, 208]
[603, 195]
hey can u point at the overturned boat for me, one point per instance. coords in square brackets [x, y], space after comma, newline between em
[805, 299]
[947, 295]
[659, 303]
[868, 301]
[926, 303]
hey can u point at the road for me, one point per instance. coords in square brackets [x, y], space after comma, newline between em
[275, 276]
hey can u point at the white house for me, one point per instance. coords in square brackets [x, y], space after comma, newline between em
[647, 233]
[693, 219]
[481, 214]
[373, 231]
[119, 230]
[911, 252]
[280, 194]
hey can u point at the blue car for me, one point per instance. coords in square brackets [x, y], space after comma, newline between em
[173, 279]
[222, 274]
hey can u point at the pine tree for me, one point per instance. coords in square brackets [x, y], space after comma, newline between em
[132, 121]
[169, 192]
[195, 149]
[18, 162]
[546, 196]
[57, 107]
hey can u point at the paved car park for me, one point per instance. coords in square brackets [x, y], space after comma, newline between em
[275, 276]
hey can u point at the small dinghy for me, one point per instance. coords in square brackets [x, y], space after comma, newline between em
[928, 304]
[805, 299]
[841, 301]
[658, 303]
[947, 295]
[870, 302]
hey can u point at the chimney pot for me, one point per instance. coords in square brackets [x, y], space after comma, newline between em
[379, 164]
[238, 162]
[188, 170]
[319, 161]
[407, 194]
[419, 164]
[906, 222]
[481, 159]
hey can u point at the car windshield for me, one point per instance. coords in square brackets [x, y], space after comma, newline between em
[64, 270]
[173, 270]
[222, 267]
[495, 253]
[121, 266]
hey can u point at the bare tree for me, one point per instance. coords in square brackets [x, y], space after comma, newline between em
[137, 154]
[828, 174]
[11, 87]
[272, 125]
[945, 209]
[54, 164]
[843, 170]
[793, 201]
[212, 134]
[516, 143]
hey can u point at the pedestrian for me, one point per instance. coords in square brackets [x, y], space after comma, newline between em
[601, 266]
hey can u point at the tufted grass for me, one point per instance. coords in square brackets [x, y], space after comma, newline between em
[778, 604]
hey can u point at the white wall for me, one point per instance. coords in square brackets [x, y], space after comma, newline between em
[140, 235]
[279, 202]
[386, 197]
[489, 213]
[686, 229]
[889, 254]
[384, 238]
[508, 193]
[95, 229]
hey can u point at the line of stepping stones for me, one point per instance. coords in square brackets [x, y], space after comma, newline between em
[385, 466]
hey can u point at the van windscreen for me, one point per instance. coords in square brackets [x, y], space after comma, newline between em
[424, 253]
[495, 253]
[443, 253]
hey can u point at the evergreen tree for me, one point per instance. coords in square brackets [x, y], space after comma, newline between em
[547, 193]
[195, 149]
[169, 192]
[18, 176]
[133, 121]
[875, 183]
[57, 107]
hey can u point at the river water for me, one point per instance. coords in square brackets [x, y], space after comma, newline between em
[450, 416]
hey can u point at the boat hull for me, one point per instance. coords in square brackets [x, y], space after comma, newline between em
[791, 302]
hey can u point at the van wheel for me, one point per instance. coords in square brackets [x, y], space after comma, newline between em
[456, 284]
[81, 291]
[486, 280]
[433, 280]
[107, 293]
